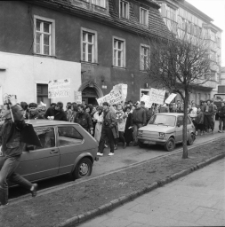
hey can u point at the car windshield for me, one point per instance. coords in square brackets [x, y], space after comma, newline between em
[167, 120]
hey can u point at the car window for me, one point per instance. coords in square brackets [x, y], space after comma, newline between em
[161, 119]
[180, 120]
[68, 135]
[188, 121]
[46, 136]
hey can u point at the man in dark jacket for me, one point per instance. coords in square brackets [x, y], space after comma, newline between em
[109, 124]
[59, 113]
[147, 111]
[221, 113]
[12, 148]
[84, 119]
[138, 120]
[50, 111]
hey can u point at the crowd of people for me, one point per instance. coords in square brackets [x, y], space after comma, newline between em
[111, 125]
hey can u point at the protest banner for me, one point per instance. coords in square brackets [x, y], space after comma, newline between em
[170, 98]
[78, 97]
[156, 96]
[59, 88]
[117, 95]
[146, 99]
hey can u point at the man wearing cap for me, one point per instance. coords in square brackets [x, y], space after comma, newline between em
[138, 120]
[108, 130]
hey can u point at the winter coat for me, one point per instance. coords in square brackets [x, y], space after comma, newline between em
[121, 118]
[221, 112]
[110, 121]
[139, 116]
[11, 133]
[98, 126]
[200, 118]
[50, 112]
[84, 119]
[60, 115]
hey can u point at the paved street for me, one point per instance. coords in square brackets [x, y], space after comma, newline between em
[195, 200]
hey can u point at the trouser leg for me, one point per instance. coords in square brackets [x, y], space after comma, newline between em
[8, 166]
[220, 124]
[223, 120]
[18, 179]
[121, 136]
[135, 131]
[109, 135]
[102, 141]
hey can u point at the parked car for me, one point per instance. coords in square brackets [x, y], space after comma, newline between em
[166, 129]
[66, 148]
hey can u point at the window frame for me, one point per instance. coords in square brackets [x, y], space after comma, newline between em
[95, 48]
[92, 2]
[52, 29]
[124, 52]
[127, 10]
[147, 47]
[146, 16]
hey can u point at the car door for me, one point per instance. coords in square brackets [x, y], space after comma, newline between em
[41, 162]
[71, 145]
[179, 129]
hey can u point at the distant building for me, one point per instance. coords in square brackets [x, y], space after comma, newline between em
[96, 44]
[181, 17]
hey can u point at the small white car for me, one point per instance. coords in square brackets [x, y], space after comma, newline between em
[166, 129]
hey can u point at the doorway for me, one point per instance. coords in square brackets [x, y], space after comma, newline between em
[89, 95]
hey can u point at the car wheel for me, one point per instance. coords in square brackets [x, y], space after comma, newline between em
[83, 168]
[170, 144]
[191, 139]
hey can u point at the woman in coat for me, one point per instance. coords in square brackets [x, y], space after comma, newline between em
[98, 119]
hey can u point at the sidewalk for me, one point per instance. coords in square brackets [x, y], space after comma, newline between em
[195, 200]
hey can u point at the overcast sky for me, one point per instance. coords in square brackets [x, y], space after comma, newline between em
[216, 10]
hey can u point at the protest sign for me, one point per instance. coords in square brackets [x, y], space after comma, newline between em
[117, 95]
[78, 97]
[156, 96]
[170, 98]
[59, 88]
[146, 99]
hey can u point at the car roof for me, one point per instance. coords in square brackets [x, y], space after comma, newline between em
[42, 122]
[171, 114]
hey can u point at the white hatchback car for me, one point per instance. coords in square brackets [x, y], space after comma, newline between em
[166, 129]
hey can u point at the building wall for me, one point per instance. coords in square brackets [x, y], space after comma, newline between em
[16, 29]
[24, 72]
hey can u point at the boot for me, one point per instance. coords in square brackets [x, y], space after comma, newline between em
[3, 196]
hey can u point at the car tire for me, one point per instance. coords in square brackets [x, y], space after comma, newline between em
[170, 144]
[82, 169]
[191, 139]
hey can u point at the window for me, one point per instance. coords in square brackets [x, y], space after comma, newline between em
[68, 135]
[180, 120]
[144, 16]
[144, 57]
[100, 3]
[46, 136]
[124, 9]
[171, 13]
[44, 37]
[119, 52]
[89, 46]
[42, 94]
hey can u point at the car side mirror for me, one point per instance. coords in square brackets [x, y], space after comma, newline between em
[29, 147]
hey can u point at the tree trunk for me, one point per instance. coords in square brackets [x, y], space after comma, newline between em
[185, 149]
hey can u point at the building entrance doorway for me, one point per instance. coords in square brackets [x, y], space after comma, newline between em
[89, 95]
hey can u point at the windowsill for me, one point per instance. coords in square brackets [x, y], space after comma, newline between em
[118, 67]
[46, 56]
[89, 63]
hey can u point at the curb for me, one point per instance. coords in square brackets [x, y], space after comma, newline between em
[124, 199]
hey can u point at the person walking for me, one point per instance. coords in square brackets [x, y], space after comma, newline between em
[98, 119]
[147, 111]
[193, 113]
[128, 128]
[199, 122]
[84, 119]
[221, 113]
[12, 148]
[108, 130]
[59, 113]
[138, 120]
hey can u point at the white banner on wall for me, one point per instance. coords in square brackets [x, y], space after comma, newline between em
[78, 97]
[59, 88]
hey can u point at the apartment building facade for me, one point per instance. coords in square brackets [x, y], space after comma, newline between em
[182, 18]
[94, 43]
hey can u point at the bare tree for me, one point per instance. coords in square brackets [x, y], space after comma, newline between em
[179, 66]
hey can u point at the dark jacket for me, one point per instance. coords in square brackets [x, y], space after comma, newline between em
[11, 133]
[60, 115]
[110, 122]
[50, 112]
[84, 119]
[139, 116]
[221, 112]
